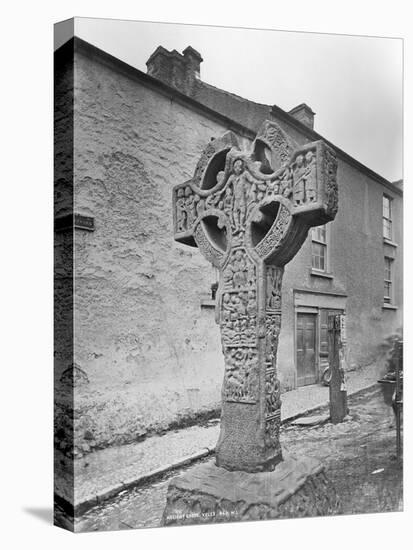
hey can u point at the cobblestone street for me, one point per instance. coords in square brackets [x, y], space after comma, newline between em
[358, 454]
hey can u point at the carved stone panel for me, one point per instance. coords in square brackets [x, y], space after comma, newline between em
[272, 331]
[238, 318]
[304, 179]
[272, 393]
[331, 187]
[241, 374]
[240, 271]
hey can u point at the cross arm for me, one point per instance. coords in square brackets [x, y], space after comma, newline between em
[192, 198]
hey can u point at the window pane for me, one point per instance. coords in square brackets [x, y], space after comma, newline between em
[322, 259]
[388, 280]
[386, 228]
[387, 269]
[318, 256]
[387, 217]
[322, 233]
[387, 292]
[315, 257]
[319, 233]
[386, 207]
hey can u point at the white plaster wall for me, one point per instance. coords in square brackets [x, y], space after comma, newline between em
[151, 354]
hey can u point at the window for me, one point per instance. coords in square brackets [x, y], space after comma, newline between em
[319, 248]
[388, 283]
[387, 217]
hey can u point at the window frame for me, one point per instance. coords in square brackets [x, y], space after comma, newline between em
[388, 298]
[387, 218]
[322, 244]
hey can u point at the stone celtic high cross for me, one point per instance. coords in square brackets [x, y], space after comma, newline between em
[249, 213]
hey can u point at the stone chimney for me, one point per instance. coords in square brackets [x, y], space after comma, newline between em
[304, 114]
[178, 70]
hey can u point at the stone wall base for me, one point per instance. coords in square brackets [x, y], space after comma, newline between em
[209, 494]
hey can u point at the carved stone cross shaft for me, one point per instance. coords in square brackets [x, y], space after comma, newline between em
[249, 213]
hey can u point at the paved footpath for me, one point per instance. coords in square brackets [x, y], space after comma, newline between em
[358, 456]
[105, 473]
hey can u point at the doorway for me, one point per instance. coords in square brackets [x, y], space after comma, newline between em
[306, 349]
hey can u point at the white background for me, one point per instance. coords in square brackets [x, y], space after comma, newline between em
[26, 271]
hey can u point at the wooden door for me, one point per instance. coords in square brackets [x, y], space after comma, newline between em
[306, 349]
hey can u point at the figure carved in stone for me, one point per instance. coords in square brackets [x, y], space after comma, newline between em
[299, 175]
[242, 305]
[199, 206]
[311, 181]
[213, 200]
[241, 376]
[274, 279]
[251, 304]
[228, 204]
[261, 191]
[272, 326]
[286, 183]
[238, 318]
[189, 206]
[228, 307]
[239, 271]
[239, 190]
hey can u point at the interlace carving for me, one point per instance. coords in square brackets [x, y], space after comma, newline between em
[249, 213]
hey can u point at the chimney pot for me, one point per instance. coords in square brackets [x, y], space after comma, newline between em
[304, 114]
[177, 70]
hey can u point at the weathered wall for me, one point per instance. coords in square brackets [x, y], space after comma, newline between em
[151, 354]
[63, 205]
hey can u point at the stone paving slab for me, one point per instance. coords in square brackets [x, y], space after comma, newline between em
[103, 473]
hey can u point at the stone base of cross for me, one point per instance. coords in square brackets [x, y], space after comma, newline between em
[249, 213]
[209, 494]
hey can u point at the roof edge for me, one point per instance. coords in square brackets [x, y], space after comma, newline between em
[93, 51]
[132, 72]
